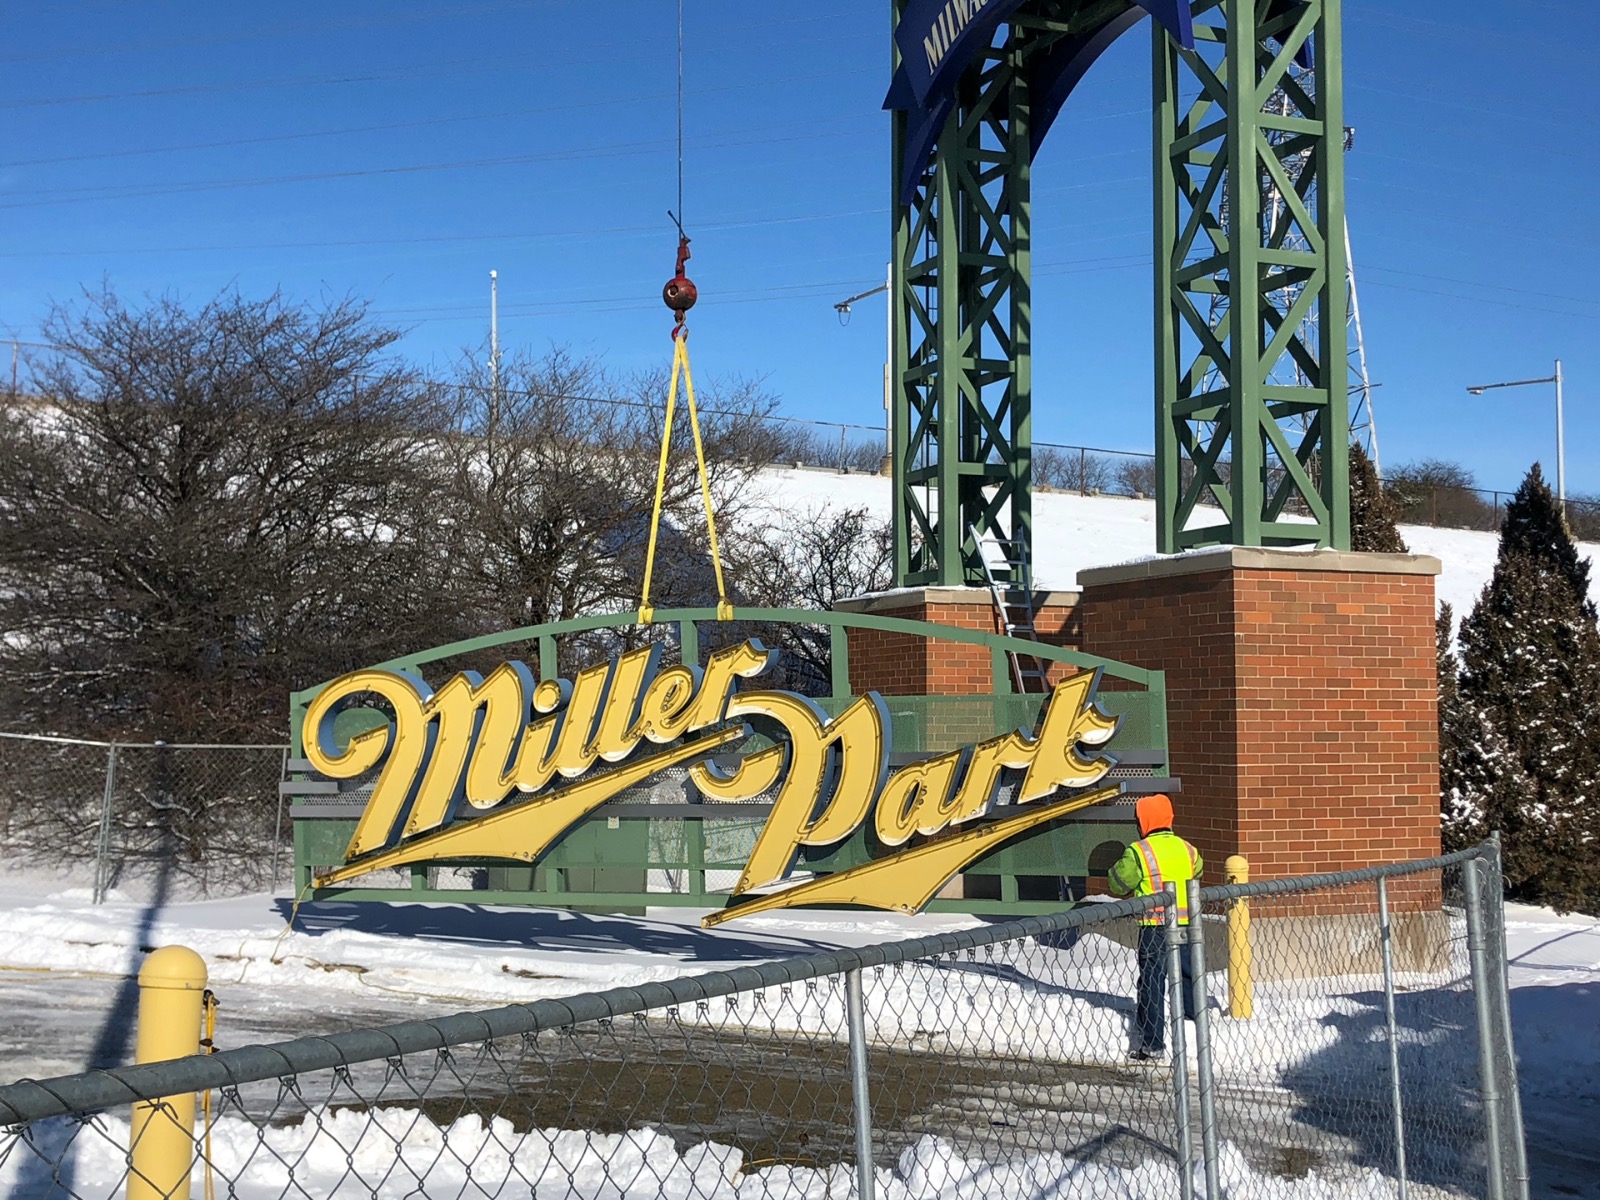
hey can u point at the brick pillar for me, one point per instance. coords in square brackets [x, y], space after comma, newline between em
[1302, 698]
[899, 665]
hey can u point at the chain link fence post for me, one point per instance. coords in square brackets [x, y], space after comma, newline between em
[102, 843]
[860, 1087]
[1483, 1005]
[1179, 1039]
[1495, 892]
[1202, 1038]
[1386, 937]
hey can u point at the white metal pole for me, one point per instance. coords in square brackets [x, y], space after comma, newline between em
[494, 331]
[1361, 348]
[1561, 446]
[888, 360]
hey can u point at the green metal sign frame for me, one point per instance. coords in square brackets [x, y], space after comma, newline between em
[602, 864]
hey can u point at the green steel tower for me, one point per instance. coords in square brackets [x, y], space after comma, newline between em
[1250, 393]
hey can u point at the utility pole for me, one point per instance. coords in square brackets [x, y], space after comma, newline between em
[494, 333]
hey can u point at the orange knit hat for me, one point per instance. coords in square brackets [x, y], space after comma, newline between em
[1154, 812]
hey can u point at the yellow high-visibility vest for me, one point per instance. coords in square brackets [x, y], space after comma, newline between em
[1160, 859]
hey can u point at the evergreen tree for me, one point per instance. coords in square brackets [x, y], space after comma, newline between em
[1372, 512]
[1481, 783]
[1527, 760]
[1535, 526]
[1460, 820]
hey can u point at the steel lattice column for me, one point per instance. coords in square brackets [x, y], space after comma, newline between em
[1252, 408]
[963, 355]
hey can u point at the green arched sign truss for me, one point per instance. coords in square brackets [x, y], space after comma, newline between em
[606, 863]
[1251, 371]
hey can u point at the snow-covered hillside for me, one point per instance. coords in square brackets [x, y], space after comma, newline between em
[1073, 532]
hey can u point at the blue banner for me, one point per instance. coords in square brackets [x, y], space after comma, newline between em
[939, 39]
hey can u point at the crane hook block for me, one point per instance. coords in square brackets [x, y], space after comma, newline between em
[680, 292]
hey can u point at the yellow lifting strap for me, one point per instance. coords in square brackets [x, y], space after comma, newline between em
[680, 370]
[209, 1005]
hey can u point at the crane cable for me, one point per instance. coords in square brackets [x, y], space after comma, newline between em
[680, 295]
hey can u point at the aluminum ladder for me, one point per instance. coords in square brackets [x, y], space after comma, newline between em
[1005, 562]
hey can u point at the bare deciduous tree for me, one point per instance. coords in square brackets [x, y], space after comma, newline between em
[812, 560]
[553, 479]
[206, 508]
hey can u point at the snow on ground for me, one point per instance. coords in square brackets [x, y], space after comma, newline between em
[392, 1154]
[445, 957]
[345, 964]
[1072, 532]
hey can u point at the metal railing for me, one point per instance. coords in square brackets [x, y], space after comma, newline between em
[146, 814]
[1355, 1034]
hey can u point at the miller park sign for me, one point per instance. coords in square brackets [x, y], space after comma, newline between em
[502, 767]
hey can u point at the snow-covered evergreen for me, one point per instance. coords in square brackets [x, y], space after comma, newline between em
[1373, 514]
[1520, 751]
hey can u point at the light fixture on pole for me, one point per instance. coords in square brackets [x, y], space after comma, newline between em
[843, 309]
[1561, 437]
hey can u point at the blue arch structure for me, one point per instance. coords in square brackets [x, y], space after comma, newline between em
[932, 62]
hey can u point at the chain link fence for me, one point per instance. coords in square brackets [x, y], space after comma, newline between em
[1352, 1039]
[145, 816]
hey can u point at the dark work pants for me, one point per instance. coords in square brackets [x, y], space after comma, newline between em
[1150, 1009]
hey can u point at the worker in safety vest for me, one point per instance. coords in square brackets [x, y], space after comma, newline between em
[1160, 857]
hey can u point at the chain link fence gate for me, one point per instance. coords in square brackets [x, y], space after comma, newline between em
[1354, 1042]
[146, 816]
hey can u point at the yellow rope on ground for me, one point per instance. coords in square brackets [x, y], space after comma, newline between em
[288, 926]
[680, 369]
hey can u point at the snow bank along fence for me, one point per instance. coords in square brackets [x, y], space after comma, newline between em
[211, 814]
[1361, 1044]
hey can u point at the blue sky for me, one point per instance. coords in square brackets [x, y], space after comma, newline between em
[397, 152]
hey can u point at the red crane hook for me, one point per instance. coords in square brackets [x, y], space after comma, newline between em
[680, 292]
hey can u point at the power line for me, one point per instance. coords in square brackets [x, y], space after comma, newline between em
[446, 239]
[52, 198]
[301, 30]
[306, 135]
[476, 65]
[1496, 285]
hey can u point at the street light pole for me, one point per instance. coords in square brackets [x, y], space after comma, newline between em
[843, 309]
[494, 331]
[1561, 434]
[1561, 445]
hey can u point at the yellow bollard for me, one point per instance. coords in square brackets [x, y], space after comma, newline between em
[171, 985]
[1241, 1000]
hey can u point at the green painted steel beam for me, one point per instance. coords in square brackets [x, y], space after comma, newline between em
[689, 619]
[963, 360]
[1249, 291]
[1251, 405]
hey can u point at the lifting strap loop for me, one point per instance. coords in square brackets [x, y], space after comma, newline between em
[680, 369]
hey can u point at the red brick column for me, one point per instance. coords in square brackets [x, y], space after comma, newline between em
[1302, 699]
[900, 665]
